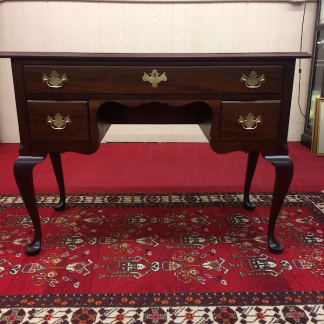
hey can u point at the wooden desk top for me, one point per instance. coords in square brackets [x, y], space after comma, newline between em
[152, 56]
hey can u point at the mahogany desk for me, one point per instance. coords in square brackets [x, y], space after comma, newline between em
[67, 101]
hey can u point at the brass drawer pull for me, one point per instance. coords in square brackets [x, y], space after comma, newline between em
[249, 122]
[54, 80]
[154, 78]
[58, 122]
[253, 81]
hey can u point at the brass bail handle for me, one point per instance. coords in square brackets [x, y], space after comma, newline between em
[58, 122]
[253, 81]
[249, 122]
[54, 80]
[154, 78]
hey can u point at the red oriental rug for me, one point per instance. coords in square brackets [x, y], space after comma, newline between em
[163, 258]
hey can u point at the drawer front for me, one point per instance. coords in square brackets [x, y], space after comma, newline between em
[236, 125]
[167, 80]
[58, 121]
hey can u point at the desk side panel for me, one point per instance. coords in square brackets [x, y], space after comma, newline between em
[18, 78]
[283, 125]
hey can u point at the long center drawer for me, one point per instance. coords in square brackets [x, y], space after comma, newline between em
[170, 79]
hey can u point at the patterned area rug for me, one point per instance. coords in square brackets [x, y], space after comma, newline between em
[163, 258]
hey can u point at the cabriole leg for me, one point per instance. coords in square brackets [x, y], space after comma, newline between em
[57, 166]
[251, 165]
[23, 171]
[284, 172]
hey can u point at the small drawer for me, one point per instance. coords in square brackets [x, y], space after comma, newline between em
[58, 121]
[262, 123]
[166, 80]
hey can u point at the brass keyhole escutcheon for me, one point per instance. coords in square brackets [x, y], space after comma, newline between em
[154, 78]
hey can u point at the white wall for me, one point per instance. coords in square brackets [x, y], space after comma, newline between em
[156, 28]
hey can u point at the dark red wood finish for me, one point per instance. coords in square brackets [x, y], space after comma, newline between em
[128, 80]
[268, 130]
[77, 111]
[103, 89]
